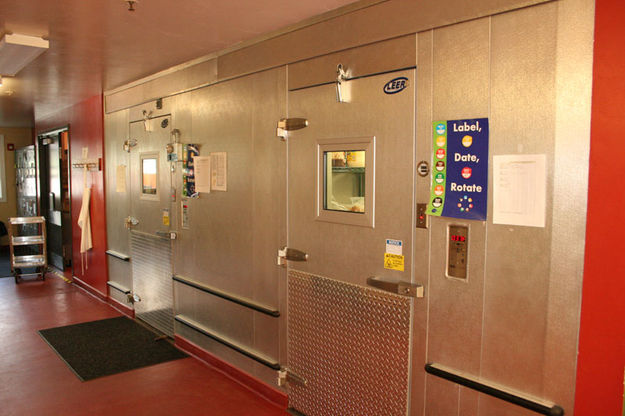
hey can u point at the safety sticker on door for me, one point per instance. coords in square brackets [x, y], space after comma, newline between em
[393, 262]
[165, 216]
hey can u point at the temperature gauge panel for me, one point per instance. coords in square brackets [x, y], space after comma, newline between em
[457, 251]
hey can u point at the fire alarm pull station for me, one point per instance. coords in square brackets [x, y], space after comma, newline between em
[457, 251]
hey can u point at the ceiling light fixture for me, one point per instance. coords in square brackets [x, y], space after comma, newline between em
[131, 5]
[17, 51]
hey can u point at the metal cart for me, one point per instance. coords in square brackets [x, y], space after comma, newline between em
[34, 243]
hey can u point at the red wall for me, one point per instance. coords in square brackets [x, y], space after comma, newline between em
[86, 129]
[601, 358]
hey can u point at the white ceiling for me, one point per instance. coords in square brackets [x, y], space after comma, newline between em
[97, 45]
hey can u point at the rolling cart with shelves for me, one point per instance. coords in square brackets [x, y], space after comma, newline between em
[35, 242]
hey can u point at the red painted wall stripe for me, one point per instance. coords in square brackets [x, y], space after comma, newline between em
[601, 358]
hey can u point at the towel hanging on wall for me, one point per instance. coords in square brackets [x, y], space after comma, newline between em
[84, 222]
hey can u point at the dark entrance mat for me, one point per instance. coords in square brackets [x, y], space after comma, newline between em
[110, 346]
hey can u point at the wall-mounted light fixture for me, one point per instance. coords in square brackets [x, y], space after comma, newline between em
[17, 51]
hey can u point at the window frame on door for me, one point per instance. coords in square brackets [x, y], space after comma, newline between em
[366, 219]
[3, 178]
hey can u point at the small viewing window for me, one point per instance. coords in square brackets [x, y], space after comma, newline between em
[149, 175]
[346, 181]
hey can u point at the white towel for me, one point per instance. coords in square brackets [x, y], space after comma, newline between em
[84, 222]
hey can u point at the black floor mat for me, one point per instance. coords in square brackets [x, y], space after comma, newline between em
[110, 346]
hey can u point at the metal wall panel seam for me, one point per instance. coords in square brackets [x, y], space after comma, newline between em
[490, 55]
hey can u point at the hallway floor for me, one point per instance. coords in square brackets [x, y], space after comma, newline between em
[34, 380]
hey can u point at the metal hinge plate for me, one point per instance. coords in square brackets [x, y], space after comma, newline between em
[289, 124]
[287, 376]
[290, 254]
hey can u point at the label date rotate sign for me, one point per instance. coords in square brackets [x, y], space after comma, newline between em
[459, 169]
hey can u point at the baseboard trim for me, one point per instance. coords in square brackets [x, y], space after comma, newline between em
[129, 312]
[87, 287]
[271, 394]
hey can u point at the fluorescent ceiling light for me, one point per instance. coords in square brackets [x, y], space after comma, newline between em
[17, 51]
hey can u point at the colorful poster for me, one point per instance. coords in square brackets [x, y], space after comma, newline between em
[188, 170]
[460, 169]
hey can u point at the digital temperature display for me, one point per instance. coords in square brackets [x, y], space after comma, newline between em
[457, 251]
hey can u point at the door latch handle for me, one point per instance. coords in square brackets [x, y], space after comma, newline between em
[397, 286]
[290, 254]
[167, 234]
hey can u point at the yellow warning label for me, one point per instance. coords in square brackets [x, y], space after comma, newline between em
[393, 262]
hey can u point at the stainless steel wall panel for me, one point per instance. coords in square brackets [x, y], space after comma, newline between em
[269, 181]
[351, 344]
[359, 28]
[468, 402]
[117, 203]
[168, 83]
[193, 303]
[455, 320]
[226, 318]
[233, 236]
[376, 58]
[220, 351]
[356, 25]
[492, 406]
[573, 88]
[518, 260]
[460, 89]
[442, 398]
[120, 272]
[421, 274]
[461, 71]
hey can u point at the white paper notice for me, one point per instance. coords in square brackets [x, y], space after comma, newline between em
[219, 175]
[120, 178]
[202, 170]
[519, 183]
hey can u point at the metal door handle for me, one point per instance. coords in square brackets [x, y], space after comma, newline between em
[396, 286]
[167, 234]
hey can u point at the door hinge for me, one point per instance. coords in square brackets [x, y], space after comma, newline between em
[290, 254]
[289, 124]
[287, 376]
[129, 144]
[133, 298]
[130, 222]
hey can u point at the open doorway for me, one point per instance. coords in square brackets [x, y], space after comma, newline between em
[54, 194]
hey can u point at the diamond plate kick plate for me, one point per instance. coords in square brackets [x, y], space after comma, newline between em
[351, 344]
